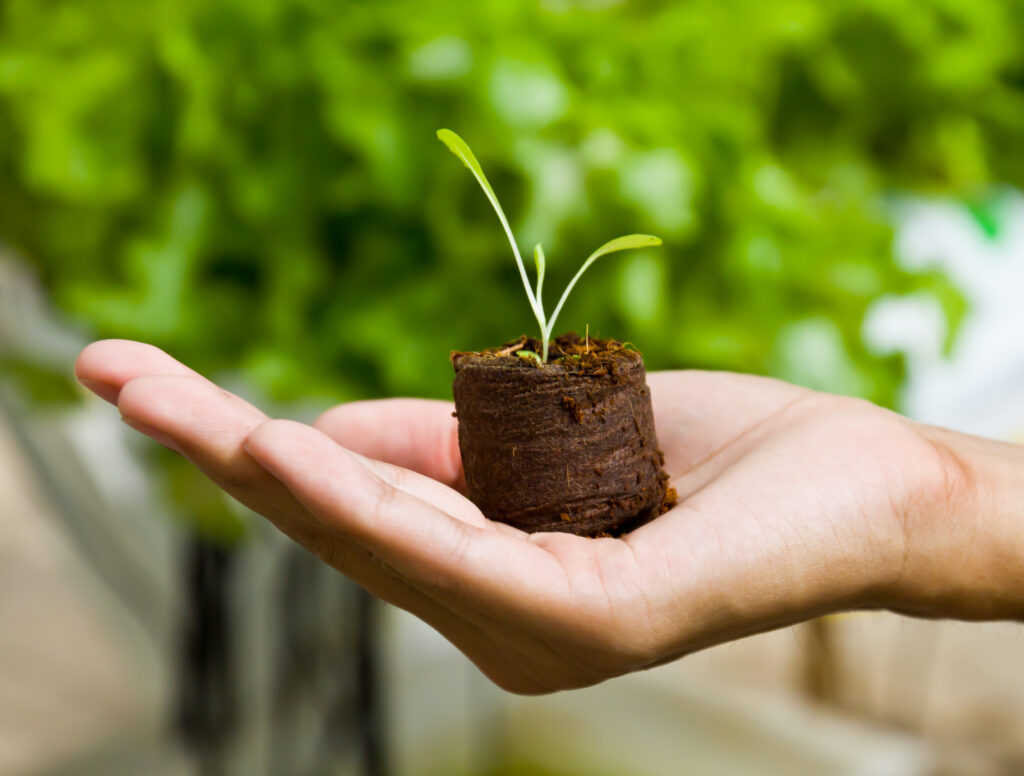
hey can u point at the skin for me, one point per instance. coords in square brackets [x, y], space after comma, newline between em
[793, 504]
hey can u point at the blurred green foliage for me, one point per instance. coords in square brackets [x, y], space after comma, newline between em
[255, 185]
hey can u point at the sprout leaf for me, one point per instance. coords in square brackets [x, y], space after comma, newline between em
[538, 259]
[461, 149]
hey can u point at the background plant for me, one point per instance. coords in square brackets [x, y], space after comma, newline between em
[255, 185]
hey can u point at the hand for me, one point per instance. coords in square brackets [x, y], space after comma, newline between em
[792, 504]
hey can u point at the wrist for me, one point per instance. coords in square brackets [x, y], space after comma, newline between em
[964, 554]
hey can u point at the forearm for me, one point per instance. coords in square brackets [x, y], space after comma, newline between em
[965, 539]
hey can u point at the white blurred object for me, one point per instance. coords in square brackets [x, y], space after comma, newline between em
[977, 387]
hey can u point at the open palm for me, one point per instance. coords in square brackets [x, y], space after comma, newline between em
[792, 504]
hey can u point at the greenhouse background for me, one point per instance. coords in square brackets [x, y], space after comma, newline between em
[257, 188]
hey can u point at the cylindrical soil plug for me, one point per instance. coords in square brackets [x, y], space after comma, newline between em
[565, 446]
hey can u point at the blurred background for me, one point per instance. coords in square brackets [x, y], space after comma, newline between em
[256, 187]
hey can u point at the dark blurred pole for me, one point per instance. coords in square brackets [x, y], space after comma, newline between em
[369, 708]
[207, 700]
[317, 668]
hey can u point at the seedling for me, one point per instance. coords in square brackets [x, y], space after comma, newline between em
[459, 147]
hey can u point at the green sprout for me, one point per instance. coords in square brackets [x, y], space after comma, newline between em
[459, 147]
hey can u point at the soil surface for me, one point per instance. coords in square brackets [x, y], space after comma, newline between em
[565, 446]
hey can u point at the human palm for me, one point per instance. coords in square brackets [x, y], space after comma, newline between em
[792, 504]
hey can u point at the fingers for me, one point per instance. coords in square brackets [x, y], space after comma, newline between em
[209, 427]
[105, 367]
[434, 551]
[416, 434]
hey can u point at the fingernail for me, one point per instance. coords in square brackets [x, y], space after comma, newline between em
[154, 434]
[105, 391]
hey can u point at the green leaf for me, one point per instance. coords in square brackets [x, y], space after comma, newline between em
[461, 149]
[625, 243]
[538, 259]
[528, 354]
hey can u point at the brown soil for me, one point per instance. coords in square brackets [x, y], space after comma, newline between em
[565, 446]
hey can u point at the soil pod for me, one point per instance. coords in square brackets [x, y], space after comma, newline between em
[565, 446]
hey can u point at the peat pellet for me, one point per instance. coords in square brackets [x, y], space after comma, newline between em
[565, 446]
